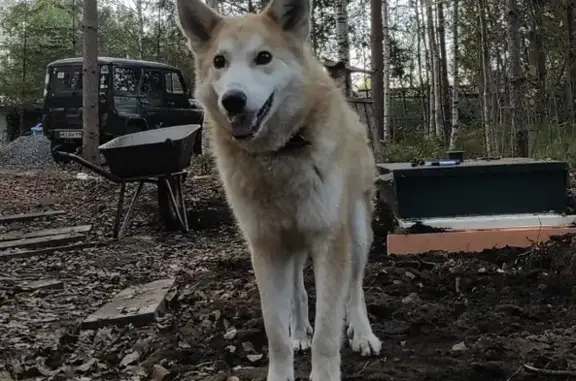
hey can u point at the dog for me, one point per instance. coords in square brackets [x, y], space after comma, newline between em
[298, 172]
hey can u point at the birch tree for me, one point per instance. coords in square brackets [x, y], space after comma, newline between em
[455, 84]
[386, 69]
[343, 45]
[444, 84]
[419, 41]
[140, 17]
[91, 131]
[436, 110]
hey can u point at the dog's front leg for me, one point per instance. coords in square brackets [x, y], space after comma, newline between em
[275, 277]
[300, 328]
[331, 272]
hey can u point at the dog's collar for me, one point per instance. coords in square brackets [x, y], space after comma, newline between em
[295, 143]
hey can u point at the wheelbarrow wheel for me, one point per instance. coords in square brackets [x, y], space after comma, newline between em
[167, 212]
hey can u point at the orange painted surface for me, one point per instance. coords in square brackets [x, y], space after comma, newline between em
[471, 240]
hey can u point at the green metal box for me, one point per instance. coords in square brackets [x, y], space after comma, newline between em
[475, 187]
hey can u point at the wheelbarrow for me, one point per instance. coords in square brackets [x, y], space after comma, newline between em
[158, 156]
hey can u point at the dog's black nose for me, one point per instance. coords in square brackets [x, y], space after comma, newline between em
[234, 101]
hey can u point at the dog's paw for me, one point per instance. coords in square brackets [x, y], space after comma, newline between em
[302, 339]
[326, 371]
[366, 345]
[280, 373]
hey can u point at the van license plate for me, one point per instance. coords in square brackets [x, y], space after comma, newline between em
[71, 134]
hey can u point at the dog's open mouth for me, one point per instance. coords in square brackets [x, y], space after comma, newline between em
[246, 125]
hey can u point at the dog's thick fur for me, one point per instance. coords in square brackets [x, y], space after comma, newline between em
[314, 199]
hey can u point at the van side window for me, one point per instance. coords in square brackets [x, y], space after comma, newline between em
[152, 82]
[173, 83]
[126, 80]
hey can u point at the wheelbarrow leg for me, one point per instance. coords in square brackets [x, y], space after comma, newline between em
[130, 209]
[119, 210]
[173, 200]
[181, 179]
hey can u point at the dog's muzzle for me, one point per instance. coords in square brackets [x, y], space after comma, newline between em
[246, 124]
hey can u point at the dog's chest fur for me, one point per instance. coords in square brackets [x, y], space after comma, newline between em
[296, 192]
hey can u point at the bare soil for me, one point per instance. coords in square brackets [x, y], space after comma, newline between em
[440, 317]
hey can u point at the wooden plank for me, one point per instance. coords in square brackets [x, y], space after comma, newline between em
[138, 305]
[44, 233]
[49, 250]
[41, 241]
[34, 285]
[29, 216]
[471, 241]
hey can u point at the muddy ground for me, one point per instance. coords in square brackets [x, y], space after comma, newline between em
[440, 317]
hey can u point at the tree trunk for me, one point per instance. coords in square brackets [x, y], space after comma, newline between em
[213, 4]
[377, 82]
[436, 74]
[419, 41]
[428, 72]
[342, 41]
[516, 80]
[455, 119]
[23, 94]
[486, 99]
[571, 64]
[313, 38]
[159, 28]
[443, 68]
[91, 130]
[540, 58]
[386, 71]
[140, 15]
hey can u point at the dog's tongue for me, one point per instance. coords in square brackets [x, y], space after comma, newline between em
[242, 125]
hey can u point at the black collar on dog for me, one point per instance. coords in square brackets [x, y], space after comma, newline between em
[295, 143]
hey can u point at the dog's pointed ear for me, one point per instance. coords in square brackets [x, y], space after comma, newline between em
[196, 21]
[292, 15]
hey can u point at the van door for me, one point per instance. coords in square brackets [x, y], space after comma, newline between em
[150, 94]
[63, 101]
[176, 100]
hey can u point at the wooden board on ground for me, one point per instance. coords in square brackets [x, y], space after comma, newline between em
[49, 250]
[138, 305]
[29, 216]
[41, 241]
[42, 284]
[45, 233]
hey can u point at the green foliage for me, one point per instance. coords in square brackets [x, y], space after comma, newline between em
[33, 36]
[419, 146]
[37, 32]
[558, 143]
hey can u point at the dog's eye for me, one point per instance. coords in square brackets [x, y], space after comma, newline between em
[219, 61]
[263, 58]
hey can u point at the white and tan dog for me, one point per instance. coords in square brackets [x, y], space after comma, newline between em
[298, 173]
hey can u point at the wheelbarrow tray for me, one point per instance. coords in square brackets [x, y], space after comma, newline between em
[151, 153]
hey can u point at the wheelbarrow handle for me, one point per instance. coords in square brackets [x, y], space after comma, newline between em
[85, 163]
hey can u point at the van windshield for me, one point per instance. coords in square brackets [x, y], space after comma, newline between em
[126, 80]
